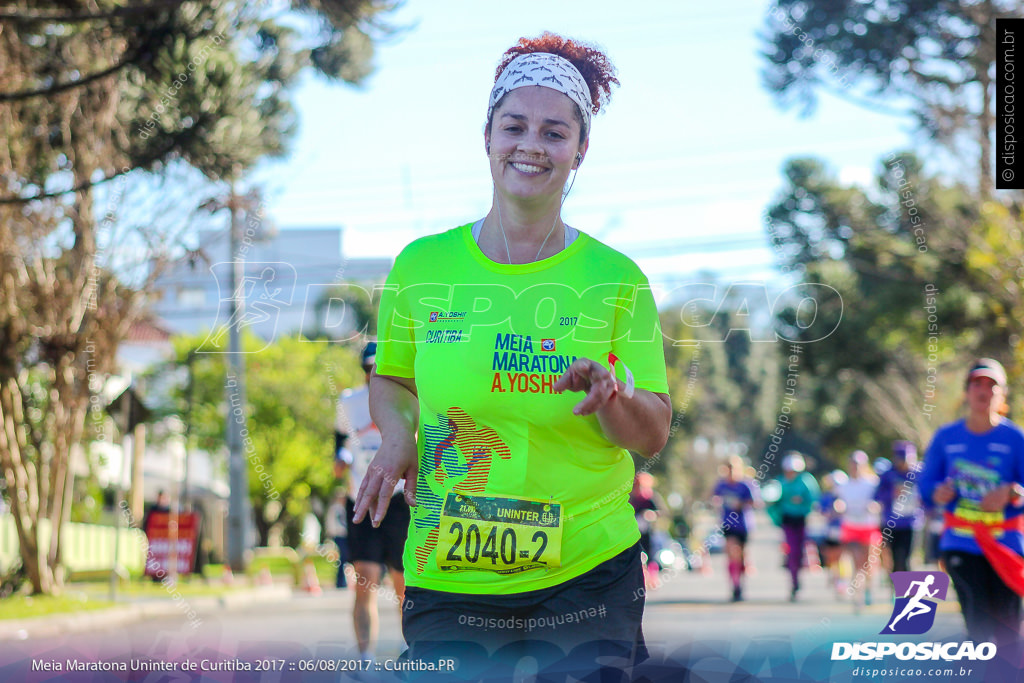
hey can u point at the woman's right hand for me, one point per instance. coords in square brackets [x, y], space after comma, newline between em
[396, 459]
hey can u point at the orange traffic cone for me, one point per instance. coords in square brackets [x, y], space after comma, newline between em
[310, 583]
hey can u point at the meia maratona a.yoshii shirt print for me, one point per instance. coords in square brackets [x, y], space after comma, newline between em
[514, 492]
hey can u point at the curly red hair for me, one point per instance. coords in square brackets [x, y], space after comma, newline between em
[595, 67]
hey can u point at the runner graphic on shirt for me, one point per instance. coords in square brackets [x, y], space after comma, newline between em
[457, 433]
[476, 443]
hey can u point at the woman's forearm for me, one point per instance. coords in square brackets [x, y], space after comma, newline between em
[640, 423]
[395, 410]
[394, 406]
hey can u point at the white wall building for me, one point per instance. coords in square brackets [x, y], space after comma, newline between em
[285, 276]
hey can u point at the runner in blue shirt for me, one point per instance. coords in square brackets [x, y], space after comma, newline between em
[735, 497]
[973, 469]
[901, 506]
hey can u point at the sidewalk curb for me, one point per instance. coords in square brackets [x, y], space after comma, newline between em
[58, 624]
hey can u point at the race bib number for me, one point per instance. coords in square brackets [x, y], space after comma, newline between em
[502, 535]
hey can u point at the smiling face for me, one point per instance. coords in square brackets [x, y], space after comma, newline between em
[534, 138]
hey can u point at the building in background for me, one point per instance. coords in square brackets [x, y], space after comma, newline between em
[287, 276]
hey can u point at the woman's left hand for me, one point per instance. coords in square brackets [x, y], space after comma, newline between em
[639, 422]
[591, 377]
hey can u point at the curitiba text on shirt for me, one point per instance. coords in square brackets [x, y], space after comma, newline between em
[517, 368]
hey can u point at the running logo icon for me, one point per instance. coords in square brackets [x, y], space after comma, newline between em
[914, 613]
[547, 345]
[433, 316]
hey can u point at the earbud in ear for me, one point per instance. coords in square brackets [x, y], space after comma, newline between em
[487, 148]
[579, 158]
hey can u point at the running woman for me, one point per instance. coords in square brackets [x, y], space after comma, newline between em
[859, 529]
[901, 506]
[734, 496]
[647, 505]
[799, 493]
[828, 506]
[371, 549]
[503, 346]
[973, 469]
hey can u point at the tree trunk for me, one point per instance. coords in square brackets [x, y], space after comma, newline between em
[262, 526]
[985, 125]
[985, 59]
[71, 406]
[20, 477]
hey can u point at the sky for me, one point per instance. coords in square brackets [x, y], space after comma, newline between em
[681, 166]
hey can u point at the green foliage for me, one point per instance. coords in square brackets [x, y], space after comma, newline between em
[911, 309]
[87, 506]
[349, 308]
[27, 607]
[208, 83]
[724, 387]
[893, 48]
[279, 566]
[995, 258]
[927, 268]
[90, 91]
[292, 387]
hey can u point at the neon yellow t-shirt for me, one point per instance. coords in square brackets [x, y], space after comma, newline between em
[485, 342]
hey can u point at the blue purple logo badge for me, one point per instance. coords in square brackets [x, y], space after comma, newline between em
[914, 612]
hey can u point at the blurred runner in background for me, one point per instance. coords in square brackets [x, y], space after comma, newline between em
[831, 549]
[370, 548]
[901, 504]
[859, 530]
[799, 493]
[734, 497]
[647, 505]
[336, 526]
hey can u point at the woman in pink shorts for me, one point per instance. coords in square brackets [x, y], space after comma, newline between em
[859, 532]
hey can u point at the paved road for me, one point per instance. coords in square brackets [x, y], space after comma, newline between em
[690, 610]
[694, 605]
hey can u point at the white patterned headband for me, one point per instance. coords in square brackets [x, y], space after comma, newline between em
[548, 70]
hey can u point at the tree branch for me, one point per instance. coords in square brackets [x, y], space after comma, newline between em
[87, 184]
[870, 105]
[68, 85]
[17, 17]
